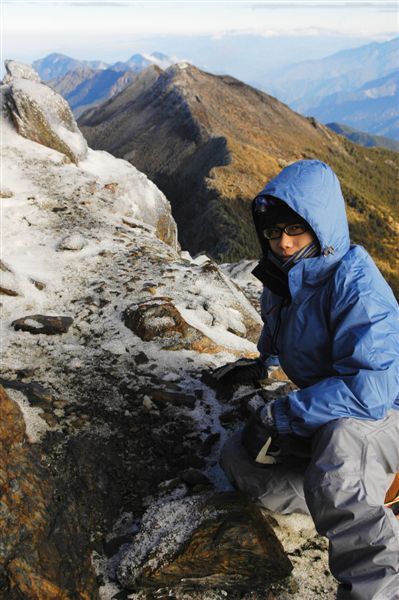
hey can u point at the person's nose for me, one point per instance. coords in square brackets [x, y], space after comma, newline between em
[285, 241]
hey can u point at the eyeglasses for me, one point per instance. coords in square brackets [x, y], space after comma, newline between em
[274, 233]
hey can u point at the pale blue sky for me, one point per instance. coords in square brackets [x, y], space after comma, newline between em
[112, 31]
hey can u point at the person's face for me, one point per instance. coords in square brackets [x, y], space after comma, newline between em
[287, 245]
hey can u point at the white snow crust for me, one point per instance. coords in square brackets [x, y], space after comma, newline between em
[166, 525]
[56, 111]
[36, 427]
[17, 70]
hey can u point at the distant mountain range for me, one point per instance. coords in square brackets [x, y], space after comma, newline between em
[57, 65]
[374, 107]
[211, 142]
[364, 139]
[85, 84]
[357, 87]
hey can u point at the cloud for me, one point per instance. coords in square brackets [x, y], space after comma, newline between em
[385, 6]
[302, 32]
[85, 3]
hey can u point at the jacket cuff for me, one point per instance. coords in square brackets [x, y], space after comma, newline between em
[270, 361]
[281, 415]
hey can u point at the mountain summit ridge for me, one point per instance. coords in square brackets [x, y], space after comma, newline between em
[211, 142]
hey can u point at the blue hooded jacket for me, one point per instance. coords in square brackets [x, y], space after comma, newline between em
[338, 339]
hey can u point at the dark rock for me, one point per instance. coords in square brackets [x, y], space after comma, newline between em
[8, 291]
[25, 372]
[38, 284]
[112, 546]
[43, 324]
[175, 398]
[229, 417]
[155, 319]
[218, 540]
[209, 442]
[122, 595]
[194, 477]
[141, 358]
[4, 267]
[36, 393]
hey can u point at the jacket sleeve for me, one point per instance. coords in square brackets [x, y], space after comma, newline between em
[365, 366]
[264, 342]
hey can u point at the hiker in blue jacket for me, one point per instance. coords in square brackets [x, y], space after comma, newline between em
[331, 448]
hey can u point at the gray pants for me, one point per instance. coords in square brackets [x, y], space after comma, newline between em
[342, 485]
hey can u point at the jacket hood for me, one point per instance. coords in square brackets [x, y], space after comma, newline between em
[311, 189]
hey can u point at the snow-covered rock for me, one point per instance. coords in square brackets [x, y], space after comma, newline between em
[40, 114]
[176, 545]
[17, 70]
[74, 241]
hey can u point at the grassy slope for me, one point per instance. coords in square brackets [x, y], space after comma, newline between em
[369, 177]
[258, 136]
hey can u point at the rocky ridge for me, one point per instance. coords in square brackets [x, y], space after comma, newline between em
[85, 84]
[107, 328]
[211, 143]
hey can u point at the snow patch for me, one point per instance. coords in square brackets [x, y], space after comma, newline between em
[36, 427]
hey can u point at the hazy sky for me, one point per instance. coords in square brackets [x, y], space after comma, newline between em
[112, 30]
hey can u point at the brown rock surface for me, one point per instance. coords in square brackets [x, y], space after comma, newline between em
[50, 325]
[227, 543]
[158, 319]
[32, 564]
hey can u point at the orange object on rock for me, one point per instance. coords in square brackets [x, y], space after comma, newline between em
[392, 495]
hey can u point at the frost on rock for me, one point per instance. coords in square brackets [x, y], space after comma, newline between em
[17, 70]
[148, 206]
[41, 115]
[35, 425]
[75, 241]
[165, 527]
[217, 539]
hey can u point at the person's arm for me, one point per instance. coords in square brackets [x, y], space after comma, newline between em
[246, 371]
[365, 357]
[264, 346]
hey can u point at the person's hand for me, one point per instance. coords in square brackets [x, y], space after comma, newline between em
[259, 441]
[259, 406]
[240, 372]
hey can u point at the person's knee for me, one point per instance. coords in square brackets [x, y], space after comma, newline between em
[338, 451]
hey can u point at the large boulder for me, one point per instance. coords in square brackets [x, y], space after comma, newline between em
[34, 539]
[205, 540]
[40, 114]
[158, 319]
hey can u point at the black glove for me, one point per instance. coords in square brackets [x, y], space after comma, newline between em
[259, 441]
[259, 434]
[240, 372]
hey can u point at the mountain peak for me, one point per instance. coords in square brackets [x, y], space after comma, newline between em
[218, 141]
